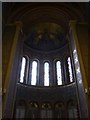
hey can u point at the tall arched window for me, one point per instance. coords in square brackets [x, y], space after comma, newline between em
[46, 74]
[34, 73]
[59, 74]
[22, 72]
[70, 70]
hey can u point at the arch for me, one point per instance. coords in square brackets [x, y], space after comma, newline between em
[33, 104]
[46, 111]
[46, 105]
[33, 109]
[59, 105]
[60, 15]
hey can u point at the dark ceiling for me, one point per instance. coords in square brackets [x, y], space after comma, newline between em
[46, 37]
[33, 13]
[44, 23]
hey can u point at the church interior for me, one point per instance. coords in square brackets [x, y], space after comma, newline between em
[45, 55]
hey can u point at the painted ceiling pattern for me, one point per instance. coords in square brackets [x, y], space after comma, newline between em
[46, 37]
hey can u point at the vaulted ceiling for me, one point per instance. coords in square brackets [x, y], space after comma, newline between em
[45, 23]
[33, 13]
[46, 37]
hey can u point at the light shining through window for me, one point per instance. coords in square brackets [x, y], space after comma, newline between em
[46, 74]
[34, 73]
[70, 70]
[59, 74]
[77, 66]
[22, 70]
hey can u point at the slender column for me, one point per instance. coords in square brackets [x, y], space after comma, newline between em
[63, 71]
[26, 70]
[41, 73]
[79, 82]
[54, 73]
[29, 73]
[12, 71]
[51, 73]
[38, 71]
[2, 26]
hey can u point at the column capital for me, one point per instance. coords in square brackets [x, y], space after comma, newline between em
[18, 23]
[72, 23]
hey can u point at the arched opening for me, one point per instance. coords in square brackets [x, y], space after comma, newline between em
[70, 69]
[46, 74]
[24, 70]
[33, 109]
[46, 111]
[59, 73]
[22, 73]
[34, 73]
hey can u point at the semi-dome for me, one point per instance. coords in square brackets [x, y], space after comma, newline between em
[46, 37]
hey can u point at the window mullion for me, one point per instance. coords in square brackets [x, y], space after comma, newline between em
[25, 73]
[29, 76]
[62, 71]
